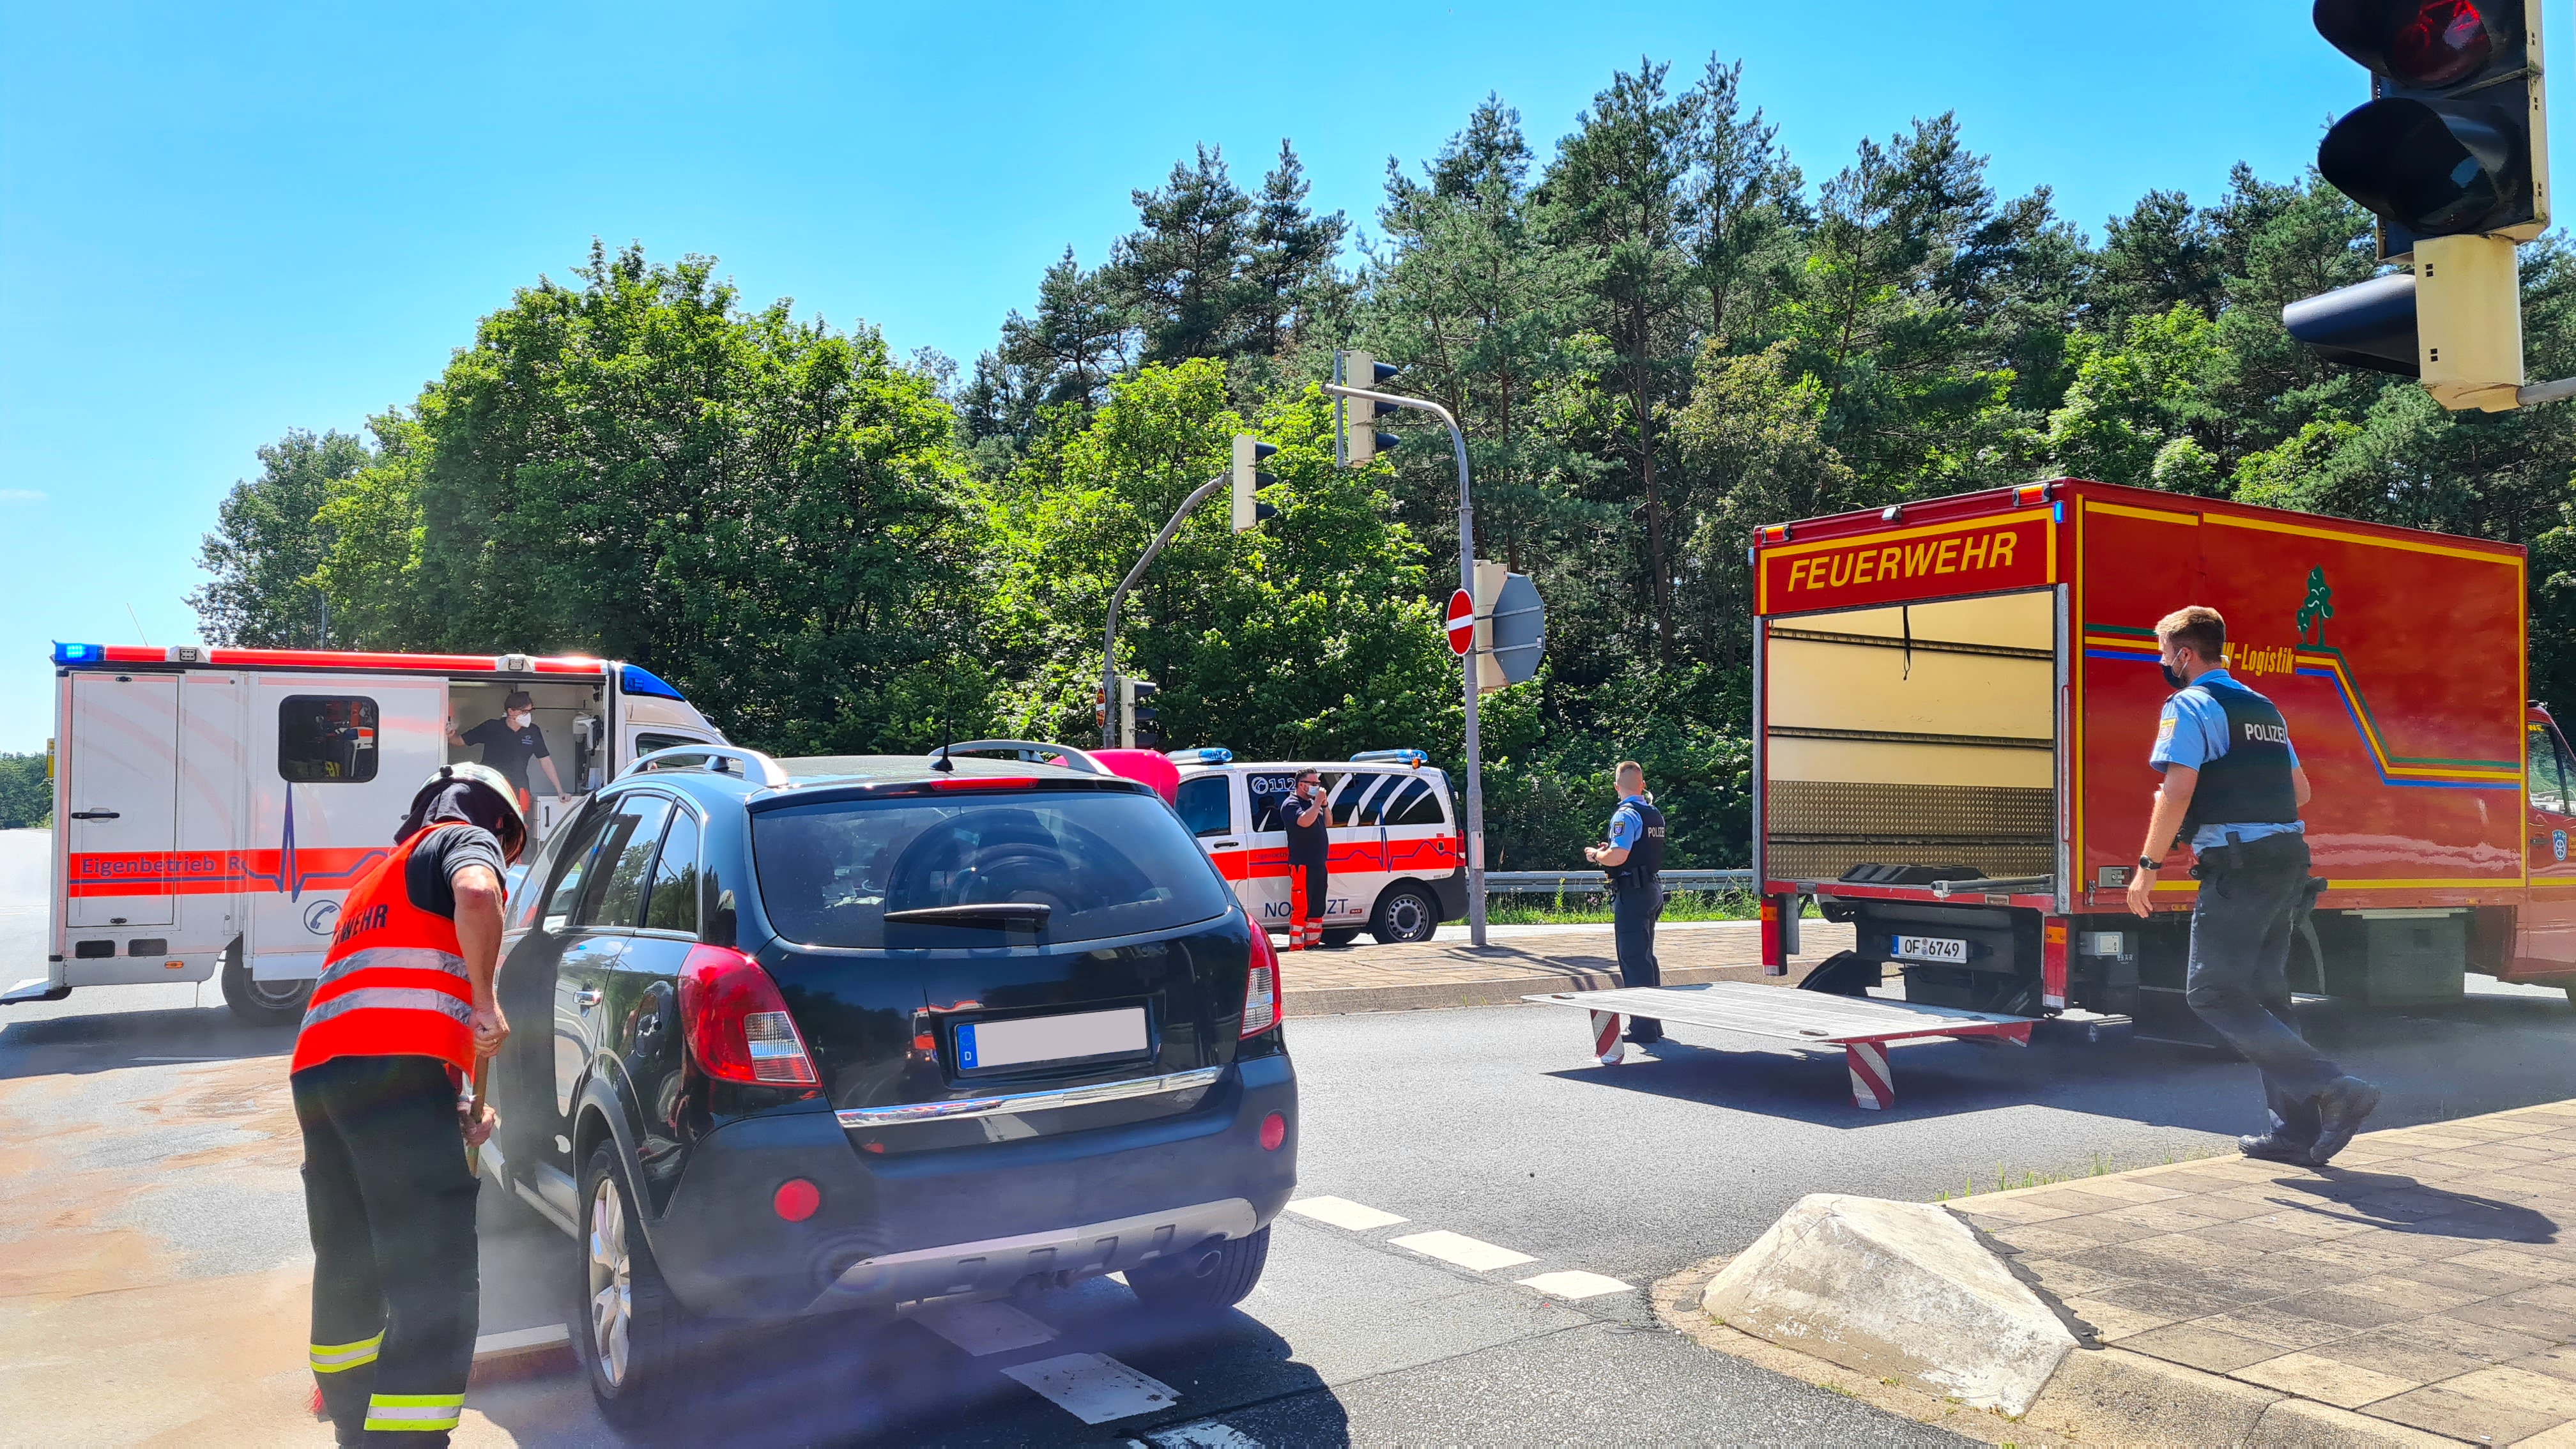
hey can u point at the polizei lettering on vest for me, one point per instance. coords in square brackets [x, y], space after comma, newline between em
[2268, 734]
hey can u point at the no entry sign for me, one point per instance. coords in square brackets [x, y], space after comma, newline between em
[1462, 622]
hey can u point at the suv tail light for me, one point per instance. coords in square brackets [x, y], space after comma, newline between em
[737, 1024]
[1261, 986]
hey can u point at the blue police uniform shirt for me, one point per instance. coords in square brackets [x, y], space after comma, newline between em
[2193, 731]
[1627, 826]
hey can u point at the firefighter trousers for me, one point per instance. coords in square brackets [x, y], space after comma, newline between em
[395, 1284]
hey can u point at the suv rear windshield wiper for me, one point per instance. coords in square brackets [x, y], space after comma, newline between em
[977, 914]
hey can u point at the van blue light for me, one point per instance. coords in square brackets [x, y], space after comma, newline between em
[78, 653]
[636, 679]
[1209, 755]
[1391, 757]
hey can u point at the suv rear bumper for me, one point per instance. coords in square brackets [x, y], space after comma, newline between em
[971, 1221]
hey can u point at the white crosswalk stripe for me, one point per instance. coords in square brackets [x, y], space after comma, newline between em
[984, 1328]
[1343, 1213]
[1466, 1252]
[1573, 1283]
[1094, 1387]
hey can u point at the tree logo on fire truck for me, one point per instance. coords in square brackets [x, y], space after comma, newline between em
[2318, 607]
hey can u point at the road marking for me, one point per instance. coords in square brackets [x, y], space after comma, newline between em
[1341, 1212]
[1205, 1434]
[182, 1059]
[519, 1340]
[1573, 1284]
[1094, 1387]
[983, 1328]
[1464, 1251]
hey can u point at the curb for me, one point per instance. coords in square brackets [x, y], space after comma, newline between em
[1499, 991]
[2098, 1395]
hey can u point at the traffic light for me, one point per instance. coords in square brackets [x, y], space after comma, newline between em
[1360, 441]
[1249, 510]
[2451, 155]
[1136, 716]
[2453, 141]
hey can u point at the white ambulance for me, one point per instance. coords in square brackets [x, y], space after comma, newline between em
[1399, 856]
[212, 806]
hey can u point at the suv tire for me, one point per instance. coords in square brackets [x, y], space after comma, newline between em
[1404, 913]
[1205, 1280]
[628, 1331]
[261, 1003]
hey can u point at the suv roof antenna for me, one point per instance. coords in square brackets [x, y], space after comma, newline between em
[943, 764]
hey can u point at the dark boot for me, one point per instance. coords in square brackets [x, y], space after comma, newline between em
[2273, 1147]
[2340, 1110]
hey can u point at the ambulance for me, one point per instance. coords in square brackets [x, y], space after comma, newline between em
[212, 806]
[1399, 856]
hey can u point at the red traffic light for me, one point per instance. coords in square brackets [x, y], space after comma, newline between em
[2412, 42]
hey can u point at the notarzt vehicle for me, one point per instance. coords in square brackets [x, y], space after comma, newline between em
[1399, 858]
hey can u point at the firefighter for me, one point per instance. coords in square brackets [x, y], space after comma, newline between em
[2233, 783]
[1633, 858]
[1310, 853]
[403, 1011]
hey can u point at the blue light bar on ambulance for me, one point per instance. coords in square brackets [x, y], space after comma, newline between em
[78, 653]
[1208, 755]
[1390, 757]
[636, 679]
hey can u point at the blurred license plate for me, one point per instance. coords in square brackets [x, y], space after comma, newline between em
[982, 1044]
[1932, 948]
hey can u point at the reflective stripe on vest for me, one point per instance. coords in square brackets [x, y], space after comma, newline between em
[393, 983]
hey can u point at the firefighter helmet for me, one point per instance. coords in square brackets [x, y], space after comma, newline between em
[490, 779]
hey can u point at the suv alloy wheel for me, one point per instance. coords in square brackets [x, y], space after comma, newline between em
[630, 1332]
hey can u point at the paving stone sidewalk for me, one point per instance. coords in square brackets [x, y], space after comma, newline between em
[1366, 976]
[2427, 1278]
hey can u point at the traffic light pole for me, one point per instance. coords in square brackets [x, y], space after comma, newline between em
[1467, 581]
[1109, 638]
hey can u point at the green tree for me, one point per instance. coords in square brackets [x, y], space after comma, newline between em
[26, 796]
[266, 546]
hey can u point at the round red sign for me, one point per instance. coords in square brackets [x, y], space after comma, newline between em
[1462, 622]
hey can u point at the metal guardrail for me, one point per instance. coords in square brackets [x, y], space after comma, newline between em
[1590, 882]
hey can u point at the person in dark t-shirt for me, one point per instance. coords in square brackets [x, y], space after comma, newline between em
[1309, 854]
[510, 742]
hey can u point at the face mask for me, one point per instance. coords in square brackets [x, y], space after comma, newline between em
[520, 721]
[2173, 679]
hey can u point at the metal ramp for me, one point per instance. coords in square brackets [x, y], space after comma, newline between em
[1863, 1026]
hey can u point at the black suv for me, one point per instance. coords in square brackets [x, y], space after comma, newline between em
[865, 1032]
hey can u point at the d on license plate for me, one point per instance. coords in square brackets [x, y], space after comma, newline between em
[1932, 948]
[982, 1044]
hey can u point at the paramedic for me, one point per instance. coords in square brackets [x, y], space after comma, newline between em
[2233, 782]
[1633, 857]
[510, 742]
[402, 1012]
[1310, 852]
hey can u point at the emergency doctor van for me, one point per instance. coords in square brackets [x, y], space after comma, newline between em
[212, 806]
[1398, 864]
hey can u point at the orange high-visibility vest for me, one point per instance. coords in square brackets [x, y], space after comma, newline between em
[393, 983]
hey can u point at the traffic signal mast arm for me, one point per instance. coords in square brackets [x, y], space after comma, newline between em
[1467, 581]
[1247, 451]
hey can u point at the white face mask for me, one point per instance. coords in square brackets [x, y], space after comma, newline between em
[519, 719]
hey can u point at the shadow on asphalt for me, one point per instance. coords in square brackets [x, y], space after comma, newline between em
[2413, 1052]
[109, 1041]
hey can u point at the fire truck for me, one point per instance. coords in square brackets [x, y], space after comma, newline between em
[1955, 700]
[212, 806]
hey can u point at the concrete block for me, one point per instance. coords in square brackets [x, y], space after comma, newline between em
[1895, 1290]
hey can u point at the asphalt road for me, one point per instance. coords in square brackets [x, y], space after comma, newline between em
[1488, 1123]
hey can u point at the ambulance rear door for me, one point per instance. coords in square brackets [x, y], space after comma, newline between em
[121, 781]
[1359, 843]
[1413, 811]
[334, 761]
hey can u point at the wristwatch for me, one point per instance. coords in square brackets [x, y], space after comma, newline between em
[2145, 864]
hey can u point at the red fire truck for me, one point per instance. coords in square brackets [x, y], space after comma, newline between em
[1955, 700]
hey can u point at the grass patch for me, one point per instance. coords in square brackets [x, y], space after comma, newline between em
[1592, 908]
[2101, 1165]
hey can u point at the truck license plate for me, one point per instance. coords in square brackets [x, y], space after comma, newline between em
[985, 1044]
[1932, 948]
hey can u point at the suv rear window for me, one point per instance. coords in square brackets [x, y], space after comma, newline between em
[1106, 863]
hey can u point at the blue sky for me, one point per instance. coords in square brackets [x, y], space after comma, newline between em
[221, 222]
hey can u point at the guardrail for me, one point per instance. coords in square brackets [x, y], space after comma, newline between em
[1590, 882]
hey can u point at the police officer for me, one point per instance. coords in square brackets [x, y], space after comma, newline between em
[1633, 858]
[2233, 783]
[402, 1012]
